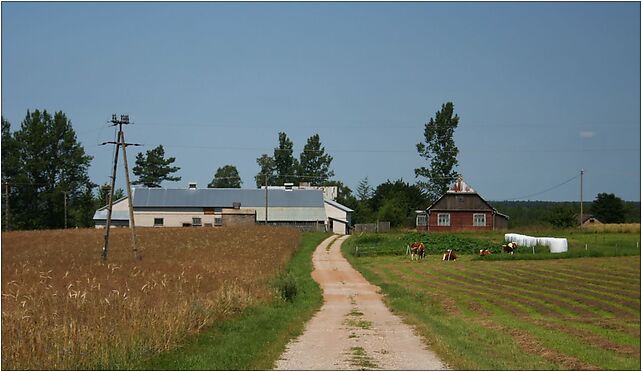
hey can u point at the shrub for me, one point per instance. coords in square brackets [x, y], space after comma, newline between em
[286, 287]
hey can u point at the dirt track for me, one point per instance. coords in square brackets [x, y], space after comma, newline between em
[354, 329]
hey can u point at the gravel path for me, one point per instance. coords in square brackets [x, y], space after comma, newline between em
[354, 330]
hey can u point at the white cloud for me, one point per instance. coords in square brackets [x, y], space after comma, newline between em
[587, 134]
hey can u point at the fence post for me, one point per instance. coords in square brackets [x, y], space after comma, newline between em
[586, 247]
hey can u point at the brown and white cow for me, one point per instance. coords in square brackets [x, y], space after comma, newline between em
[484, 252]
[449, 255]
[510, 247]
[417, 250]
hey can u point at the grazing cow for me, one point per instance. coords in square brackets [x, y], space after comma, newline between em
[449, 255]
[510, 247]
[484, 252]
[418, 250]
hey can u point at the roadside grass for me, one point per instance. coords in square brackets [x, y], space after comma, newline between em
[257, 337]
[577, 313]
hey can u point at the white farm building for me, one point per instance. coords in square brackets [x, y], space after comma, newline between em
[159, 207]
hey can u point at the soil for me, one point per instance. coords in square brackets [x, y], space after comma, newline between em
[354, 330]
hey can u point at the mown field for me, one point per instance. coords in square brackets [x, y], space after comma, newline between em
[62, 308]
[571, 314]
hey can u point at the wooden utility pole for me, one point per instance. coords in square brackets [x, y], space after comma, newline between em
[581, 198]
[266, 199]
[6, 208]
[64, 193]
[124, 119]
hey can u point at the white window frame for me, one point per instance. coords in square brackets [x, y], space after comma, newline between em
[197, 221]
[477, 222]
[218, 220]
[162, 221]
[422, 220]
[443, 219]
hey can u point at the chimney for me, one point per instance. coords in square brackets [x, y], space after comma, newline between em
[191, 185]
[288, 186]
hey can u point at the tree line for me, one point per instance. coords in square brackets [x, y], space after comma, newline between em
[46, 183]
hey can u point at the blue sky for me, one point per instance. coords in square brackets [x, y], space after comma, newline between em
[542, 89]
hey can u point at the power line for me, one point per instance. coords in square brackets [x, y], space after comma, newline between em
[547, 190]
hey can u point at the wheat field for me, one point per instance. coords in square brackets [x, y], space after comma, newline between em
[64, 308]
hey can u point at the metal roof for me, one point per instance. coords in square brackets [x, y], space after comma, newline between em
[339, 206]
[225, 198]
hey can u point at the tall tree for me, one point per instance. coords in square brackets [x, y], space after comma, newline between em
[226, 177]
[47, 167]
[440, 150]
[152, 168]
[285, 165]
[608, 208]
[562, 216]
[314, 163]
[266, 163]
[364, 190]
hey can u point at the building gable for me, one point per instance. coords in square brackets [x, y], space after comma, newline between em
[453, 201]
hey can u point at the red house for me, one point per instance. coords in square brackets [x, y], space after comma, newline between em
[460, 209]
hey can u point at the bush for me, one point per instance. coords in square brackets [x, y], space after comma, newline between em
[286, 287]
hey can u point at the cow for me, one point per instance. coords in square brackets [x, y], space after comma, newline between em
[484, 252]
[510, 247]
[418, 250]
[449, 255]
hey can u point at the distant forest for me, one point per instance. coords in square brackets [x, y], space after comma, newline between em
[534, 213]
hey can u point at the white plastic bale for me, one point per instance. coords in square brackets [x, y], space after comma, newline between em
[555, 245]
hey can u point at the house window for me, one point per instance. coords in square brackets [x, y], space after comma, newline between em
[218, 220]
[421, 220]
[196, 221]
[460, 198]
[443, 219]
[479, 219]
[158, 221]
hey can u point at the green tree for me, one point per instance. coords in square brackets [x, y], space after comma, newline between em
[226, 177]
[440, 150]
[364, 190]
[562, 216]
[266, 163]
[608, 208]
[314, 163]
[47, 166]
[102, 197]
[285, 165]
[152, 168]
[405, 198]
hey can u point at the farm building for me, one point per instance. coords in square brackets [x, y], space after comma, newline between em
[159, 207]
[460, 209]
[590, 220]
[339, 217]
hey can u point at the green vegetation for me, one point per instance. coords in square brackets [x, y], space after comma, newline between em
[581, 243]
[255, 339]
[579, 313]
[359, 358]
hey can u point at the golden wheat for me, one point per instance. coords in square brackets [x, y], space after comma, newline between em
[63, 308]
[615, 228]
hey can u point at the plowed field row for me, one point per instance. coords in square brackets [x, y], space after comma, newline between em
[580, 314]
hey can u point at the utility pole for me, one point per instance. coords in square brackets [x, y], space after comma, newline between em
[64, 193]
[6, 208]
[581, 197]
[266, 199]
[124, 119]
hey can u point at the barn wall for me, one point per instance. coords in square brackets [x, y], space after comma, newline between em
[460, 221]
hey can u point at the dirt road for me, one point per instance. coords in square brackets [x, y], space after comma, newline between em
[354, 329]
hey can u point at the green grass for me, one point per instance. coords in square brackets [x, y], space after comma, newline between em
[256, 338]
[575, 313]
[581, 243]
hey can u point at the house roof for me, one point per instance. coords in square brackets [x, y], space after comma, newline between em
[459, 188]
[250, 198]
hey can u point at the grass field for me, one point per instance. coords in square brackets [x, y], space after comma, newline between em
[576, 313]
[62, 308]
